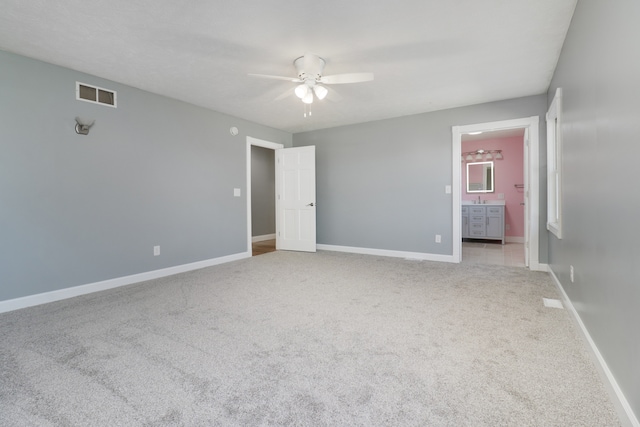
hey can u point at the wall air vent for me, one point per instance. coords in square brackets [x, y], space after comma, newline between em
[97, 95]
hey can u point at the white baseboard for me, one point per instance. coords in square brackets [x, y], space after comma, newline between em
[263, 237]
[57, 295]
[513, 239]
[539, 267]
[625, 413]
[384, 252]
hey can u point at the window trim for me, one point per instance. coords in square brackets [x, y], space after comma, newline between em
[554, 165]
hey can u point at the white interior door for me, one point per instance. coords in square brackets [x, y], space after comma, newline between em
[296, 199]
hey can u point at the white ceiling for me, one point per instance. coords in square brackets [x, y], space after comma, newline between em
[426, 55]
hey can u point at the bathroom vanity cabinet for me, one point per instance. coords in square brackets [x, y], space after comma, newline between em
[483, 222]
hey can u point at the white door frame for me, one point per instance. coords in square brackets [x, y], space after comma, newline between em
[531, 170]
[258, 143]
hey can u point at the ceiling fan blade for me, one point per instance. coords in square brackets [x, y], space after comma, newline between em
[284, 95]
[334, 95]
[266, 76]
[347, 78]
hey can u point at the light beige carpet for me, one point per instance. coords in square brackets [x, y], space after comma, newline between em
[326, 339]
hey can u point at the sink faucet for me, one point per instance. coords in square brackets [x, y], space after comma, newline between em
[479, 202]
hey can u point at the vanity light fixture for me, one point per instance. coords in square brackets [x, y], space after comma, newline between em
[481, 155]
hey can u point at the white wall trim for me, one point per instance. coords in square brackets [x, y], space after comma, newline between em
[258, 143]
[263, 237]
[541, 267]
[625, 413]
[60, 294]
[389, 253]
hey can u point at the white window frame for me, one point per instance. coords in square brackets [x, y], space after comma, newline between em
[97, 88]
[554, 165]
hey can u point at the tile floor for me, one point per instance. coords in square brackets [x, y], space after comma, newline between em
[481, 252]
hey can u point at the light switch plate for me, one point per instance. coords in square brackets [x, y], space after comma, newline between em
[236, 192]
[447, 189]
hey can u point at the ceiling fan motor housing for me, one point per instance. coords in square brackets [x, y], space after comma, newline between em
[309, 67]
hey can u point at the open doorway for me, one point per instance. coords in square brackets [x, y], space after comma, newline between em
[261, 200]
[530, 186]
[492, 193]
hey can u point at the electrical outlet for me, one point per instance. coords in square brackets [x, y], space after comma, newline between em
[156, 250]
[507, 227]
[571, 274]
[438, 238]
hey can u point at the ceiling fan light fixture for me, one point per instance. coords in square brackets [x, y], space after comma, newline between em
[301, 91]
[308, 98]
[320, 91]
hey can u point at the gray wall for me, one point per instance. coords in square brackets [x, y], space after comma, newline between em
[263, 191]
[599, 72]
[80, 209]
[381, 184]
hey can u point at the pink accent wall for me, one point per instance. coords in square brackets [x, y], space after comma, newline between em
[508, 172]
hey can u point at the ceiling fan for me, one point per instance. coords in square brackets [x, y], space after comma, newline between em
[311, 80]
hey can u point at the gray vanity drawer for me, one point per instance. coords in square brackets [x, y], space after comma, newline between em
[477, 218]
[476, 226]
[464, 210]
[494, 210]
[479, 233]
[477, 210]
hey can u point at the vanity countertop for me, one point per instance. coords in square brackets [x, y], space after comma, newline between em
[484, 202]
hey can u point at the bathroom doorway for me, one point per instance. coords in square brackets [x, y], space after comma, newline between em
[529, 188]
[502, 153]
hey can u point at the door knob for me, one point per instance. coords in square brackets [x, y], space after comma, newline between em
[310, 204]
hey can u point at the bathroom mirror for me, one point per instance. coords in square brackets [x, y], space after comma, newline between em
[480, 177]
